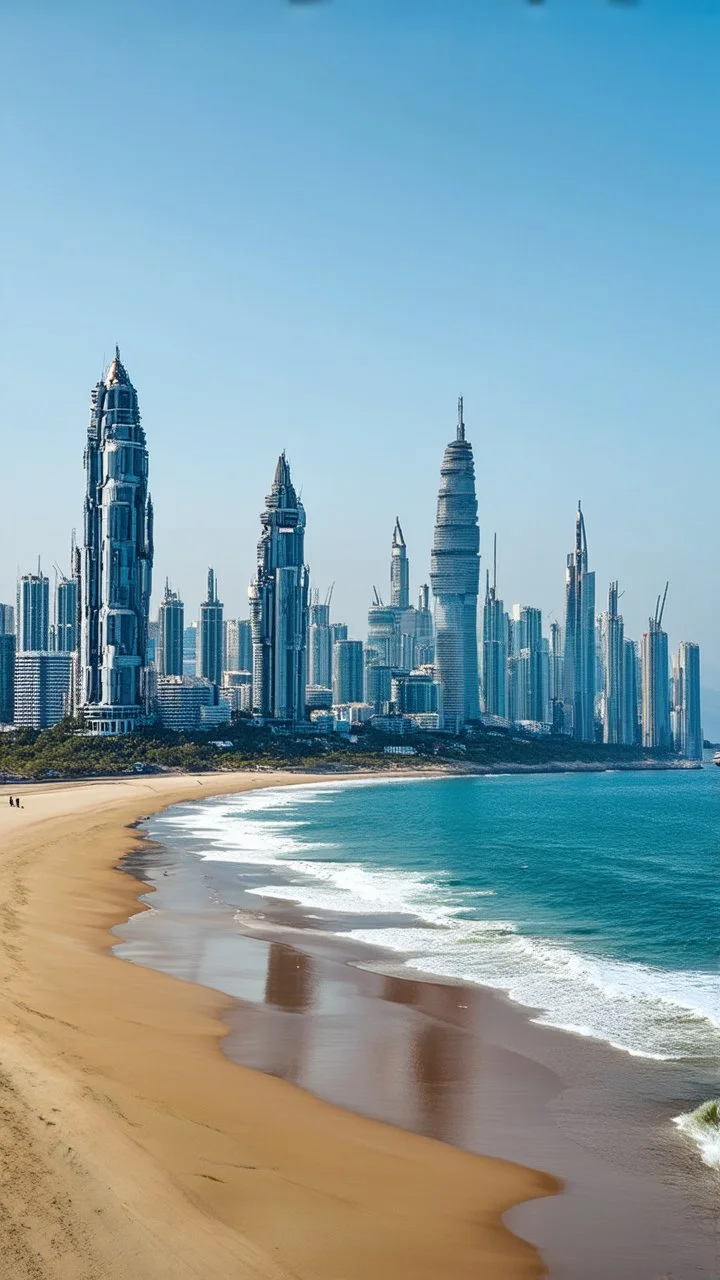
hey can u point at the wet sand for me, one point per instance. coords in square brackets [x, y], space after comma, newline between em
[454, 1063]
[132, 1148]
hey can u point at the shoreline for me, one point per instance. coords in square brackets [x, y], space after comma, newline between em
[283, 970]
[119, 1164]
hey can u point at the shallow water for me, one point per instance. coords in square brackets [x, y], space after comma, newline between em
[594, 898]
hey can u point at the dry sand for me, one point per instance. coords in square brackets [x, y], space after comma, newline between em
[132, 1148]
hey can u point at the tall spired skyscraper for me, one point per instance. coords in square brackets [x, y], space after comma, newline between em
[655, 671]
[399, 570]
[116, 560]
[211, 636]
[279, 604]
[579, 661]
[455, 576]
[171, 626]
[612, 629]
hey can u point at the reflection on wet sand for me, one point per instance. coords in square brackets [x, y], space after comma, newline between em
[454, 1063]
[289, 979]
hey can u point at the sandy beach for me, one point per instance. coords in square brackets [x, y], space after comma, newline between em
[132, 1147]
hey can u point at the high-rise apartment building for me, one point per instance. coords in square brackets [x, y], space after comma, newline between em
[686, 702]
[319, 642]
[579, 658]
[238, 645]
[383, 635]
[527, 666]
[210, 661]
[33, 613]
[655, 675]
[348, 672]
[631, 694]
[42, 689]
[494, 649]
[454, 575]
[65, 623]
[7, 677]
[116, 561]
[171, 631]
[612, 632]
[279, 604]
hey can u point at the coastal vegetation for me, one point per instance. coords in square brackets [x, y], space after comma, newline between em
[65, 752]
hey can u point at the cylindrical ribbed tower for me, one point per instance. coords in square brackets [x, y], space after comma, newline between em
[455, 576]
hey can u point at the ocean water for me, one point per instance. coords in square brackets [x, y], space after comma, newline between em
[594, 899]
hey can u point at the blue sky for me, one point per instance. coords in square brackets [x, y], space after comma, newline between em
[312, 227]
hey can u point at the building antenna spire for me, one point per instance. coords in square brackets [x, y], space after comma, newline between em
[662, 606]
[460, 422]
[494, 562]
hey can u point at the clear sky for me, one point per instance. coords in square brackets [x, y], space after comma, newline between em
[311, 227]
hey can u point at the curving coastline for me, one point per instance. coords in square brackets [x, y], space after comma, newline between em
[134, 1148]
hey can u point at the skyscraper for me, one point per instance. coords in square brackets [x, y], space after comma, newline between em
[65, 629]
[424, 628]
[384, 636]
[245, 649]
[656, 683]
[171, 628]
[33, 613]
[612, 631]
[631, 694]
[399, 570]
[7, 678]
[579, 661]
[348, 672]
[210, 634]
[116, 561]
[454, 575]
[686, 700]
[555, 677]
[320, 642]
[279, 604]
[494, 648]
[231, 645]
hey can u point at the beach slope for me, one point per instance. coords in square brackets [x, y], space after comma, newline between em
[133, 1149]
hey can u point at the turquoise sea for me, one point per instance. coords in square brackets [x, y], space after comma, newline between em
[594, 899]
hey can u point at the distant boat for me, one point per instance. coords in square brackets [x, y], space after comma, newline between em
[716, 758]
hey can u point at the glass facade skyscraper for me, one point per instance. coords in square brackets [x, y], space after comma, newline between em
[171, 629]
[116, 561]
[579, 660]
[33, 613]
[279, 604]
[655, 674]
[210, 634]
[686, 700]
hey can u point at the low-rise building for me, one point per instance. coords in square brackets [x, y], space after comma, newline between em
[180, 700]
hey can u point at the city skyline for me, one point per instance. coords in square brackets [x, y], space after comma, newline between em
[529, 684]
[106, 661]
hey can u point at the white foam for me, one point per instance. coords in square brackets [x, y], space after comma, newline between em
[705, 1136]
[646, 1011]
